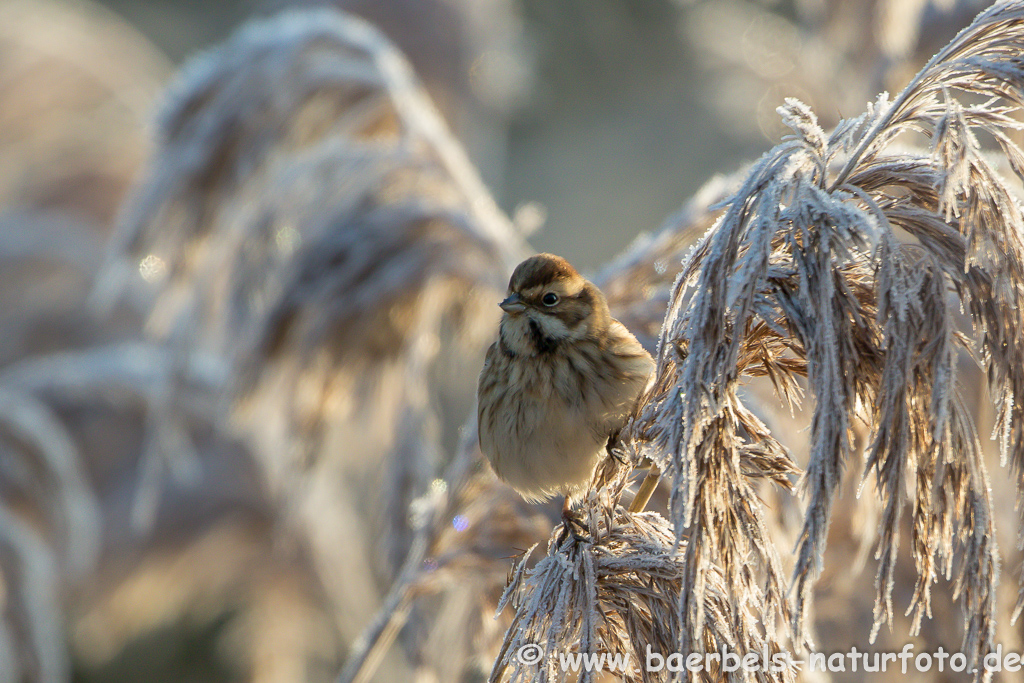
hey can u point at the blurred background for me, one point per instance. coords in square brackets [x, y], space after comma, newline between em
[608, 115]
[247, 279]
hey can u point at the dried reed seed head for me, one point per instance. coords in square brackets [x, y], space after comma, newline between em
[614, 591]
[230, 120]
[806, 254]
[334, 252]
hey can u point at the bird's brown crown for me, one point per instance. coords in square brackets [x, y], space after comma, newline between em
[541, 270]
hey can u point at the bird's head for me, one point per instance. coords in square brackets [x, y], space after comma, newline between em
[549, 303]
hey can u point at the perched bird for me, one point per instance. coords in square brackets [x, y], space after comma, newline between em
[560, 380]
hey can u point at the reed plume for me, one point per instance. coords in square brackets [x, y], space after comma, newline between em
[806, 273]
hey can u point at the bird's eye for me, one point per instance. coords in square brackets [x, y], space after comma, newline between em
[550, 299]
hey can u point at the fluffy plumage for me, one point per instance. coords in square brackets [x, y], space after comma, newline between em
[560, 380]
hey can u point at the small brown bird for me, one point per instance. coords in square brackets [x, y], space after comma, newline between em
[561, 379]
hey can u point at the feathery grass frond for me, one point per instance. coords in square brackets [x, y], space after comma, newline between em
[309, 221]
[809, 255]
[615, 590]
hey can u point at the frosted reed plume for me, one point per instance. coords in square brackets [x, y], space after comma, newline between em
[309, 220]
[806, 273]
[615, 590]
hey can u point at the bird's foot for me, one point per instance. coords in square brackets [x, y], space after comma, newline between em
[571, 525]
[611, 450]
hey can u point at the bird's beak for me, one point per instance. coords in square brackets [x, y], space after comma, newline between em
[513, 304]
